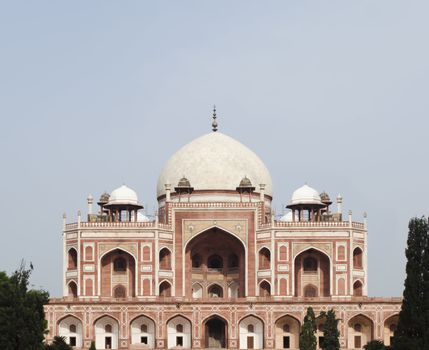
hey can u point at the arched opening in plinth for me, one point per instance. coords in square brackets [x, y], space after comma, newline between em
[215, 333]
[179, 333]
[106, 333]
[390, 326]
[218, 257]
[360, 331]
[143, 333]
[71, 329]
[312, 274]
[251, 333]
[118, 274]
[287, 333]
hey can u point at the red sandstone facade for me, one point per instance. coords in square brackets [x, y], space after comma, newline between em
[214, 274]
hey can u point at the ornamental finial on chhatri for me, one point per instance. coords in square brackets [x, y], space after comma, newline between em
[214, 123]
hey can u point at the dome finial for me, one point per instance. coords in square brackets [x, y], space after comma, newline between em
[214, 123]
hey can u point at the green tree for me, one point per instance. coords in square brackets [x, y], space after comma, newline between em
[411, 326]
[375, 345]
[59, 343]
[92, 347]
[22, 318]
[330, 331]
[307, 337]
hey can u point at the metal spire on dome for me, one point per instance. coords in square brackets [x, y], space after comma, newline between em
[214, 123]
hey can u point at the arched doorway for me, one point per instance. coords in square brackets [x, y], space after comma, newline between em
[72, 289]
[143, 332]
[106, 333]
[216, 256]
[287, 333]
[357, 289]
[390, 326]
[215, 329]
[251, 333]
[71, 329]
[118, 274]
[179, 333]
[360, 331]
[312, 274]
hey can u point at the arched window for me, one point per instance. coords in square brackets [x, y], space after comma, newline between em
[179, 328]
[215, 262]
[73, 289]
[392, 328]
[72, 328]
[286, 328]
[250, 328]
[108, 328]
[119, 292]
[165, 259]
[143, 328]
[357, 289]
[264, 289]
[264, 259]
[72, 265]
[165, 289]
[310, 264]
[196, 261]
[233, 261]
[119, 265]
[310, 291]
[357, 258]
[357, 327]
[215, 291]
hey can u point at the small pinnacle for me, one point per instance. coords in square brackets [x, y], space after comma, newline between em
[214, 123]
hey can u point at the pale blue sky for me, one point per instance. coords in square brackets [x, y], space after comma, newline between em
[94, 94]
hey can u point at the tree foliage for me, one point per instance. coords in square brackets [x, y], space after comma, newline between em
[92, 347]
[330, 331]
[22, 318]
[374, 345]
[59, 343]
[307, 337]
[413, 322]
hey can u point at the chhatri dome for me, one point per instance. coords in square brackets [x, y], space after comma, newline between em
[123, 195]
[305, 195]
[215, 162]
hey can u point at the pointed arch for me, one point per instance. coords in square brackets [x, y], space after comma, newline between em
[72, 289]
[165, 288]
[143, 331]
[70, 327]
[251, 332]
[287, 330]
[72, 258]
[264, 288]
[106, 332]
[165, 257]
[264, 258]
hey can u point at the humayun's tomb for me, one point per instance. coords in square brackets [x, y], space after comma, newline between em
[215, 268]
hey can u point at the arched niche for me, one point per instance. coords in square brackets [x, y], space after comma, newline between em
[264, 259]
[287, 329]
[106, 333]
[357, 289]
[143, 332]
[72, 289]
[197, 291]
[357, 258]
[71, 329]
[360, 330]
[179, 333]
[216, 256]
[117, 268]
[312, 267]
[165, 259]
[264, 289]
[389, 329]
[215, 332]
[165, 289]
[72, 259]
[215, 291]
[251, 333]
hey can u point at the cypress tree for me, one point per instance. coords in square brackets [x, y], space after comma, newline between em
[330, 331]
[307, 337]
[426, 289]
[411, 325]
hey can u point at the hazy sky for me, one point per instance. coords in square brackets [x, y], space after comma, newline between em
[94, 94]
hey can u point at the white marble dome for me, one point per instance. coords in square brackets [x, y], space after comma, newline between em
[305, 195]
[215, 162]
[123, 195]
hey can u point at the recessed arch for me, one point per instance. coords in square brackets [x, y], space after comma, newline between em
[197, 290]
[165, 288]
[106, 332]
[179, 336]
[287, 330]
[264, 258]
[70, 327]
[211, 228]
[215, 290]
[390, 325]
[358, 258]
[264, 288]
[215, 331]
[357, 288]
[321, 278]
[143, 331]
[251, 332]
[165, 258]
[72, 258]
[106, 271]
[72, 289]
[360, 330]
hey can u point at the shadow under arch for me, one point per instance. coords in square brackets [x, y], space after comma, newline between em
[215, 331]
